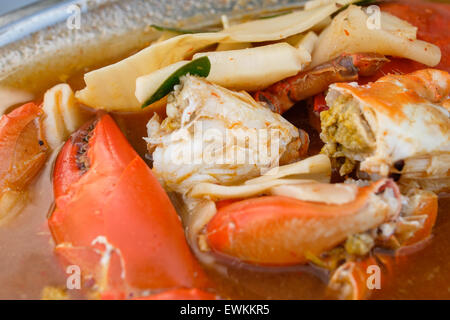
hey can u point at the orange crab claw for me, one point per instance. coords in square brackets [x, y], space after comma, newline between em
[414, 231]
[114, 220]
[356, 280]
[427, 207]
[279, 230]
[350, 281]
[182, 294]
[23, 151]
[22, 146]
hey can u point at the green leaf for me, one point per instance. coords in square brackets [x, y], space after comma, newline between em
[198, 67]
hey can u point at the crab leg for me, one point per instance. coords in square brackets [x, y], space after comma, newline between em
[347, 67]
[280, 230]
[22, 147]
[114, 220]
[23, 151]
[351, 279]
[426, 206]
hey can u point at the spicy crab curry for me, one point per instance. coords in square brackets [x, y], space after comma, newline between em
[284, 157]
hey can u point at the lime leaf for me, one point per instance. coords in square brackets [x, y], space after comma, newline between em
[198, 67]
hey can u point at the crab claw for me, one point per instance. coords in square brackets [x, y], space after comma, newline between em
[114, 220]
[282, 230]
[426, 206]
[23, 151]
[352, 280]
[355, 279]
[22, 148]
[417, 219]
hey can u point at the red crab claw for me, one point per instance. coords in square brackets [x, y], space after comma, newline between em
[414, 231]
[351, 280]
[280, 230]
[23, 152]
[427, 206]
[114, 220]
[356, 280]
[22, 146]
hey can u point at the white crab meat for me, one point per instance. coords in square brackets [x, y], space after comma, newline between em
[215, 135]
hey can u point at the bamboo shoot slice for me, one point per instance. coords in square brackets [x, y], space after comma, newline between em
[283, 26]
[255, 68]
[349, 32]
[112, 88]
[62, 115]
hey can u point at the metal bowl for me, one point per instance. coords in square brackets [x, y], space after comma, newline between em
[46, 43]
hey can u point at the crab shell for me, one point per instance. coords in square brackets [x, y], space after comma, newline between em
[114, 220]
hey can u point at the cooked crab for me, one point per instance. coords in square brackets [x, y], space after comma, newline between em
[212, 134]
[397, 125]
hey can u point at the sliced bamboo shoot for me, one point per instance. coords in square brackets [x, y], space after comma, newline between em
[351, 32]
[112, 88]
[62, 115]
[255, 68]
[283, 26]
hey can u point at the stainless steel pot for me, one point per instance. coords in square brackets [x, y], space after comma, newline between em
[45, 43]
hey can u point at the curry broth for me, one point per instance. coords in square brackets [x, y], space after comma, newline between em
[28, 263]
